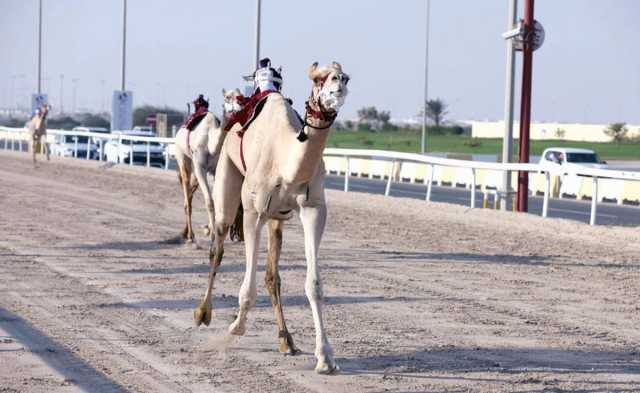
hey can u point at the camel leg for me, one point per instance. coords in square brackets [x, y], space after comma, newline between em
[313, 221]
[226, 189]
[32, 148]
[200, 170]
[272, 281]
[236, 232]
[252, 224]
[185, 177]
[45, 146]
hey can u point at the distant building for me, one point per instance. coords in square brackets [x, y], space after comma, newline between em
[557, 131]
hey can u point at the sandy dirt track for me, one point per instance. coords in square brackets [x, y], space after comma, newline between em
[96, 295]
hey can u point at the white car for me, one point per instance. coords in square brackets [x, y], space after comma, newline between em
[567, 157]
[120, 150]
[95, 140]
[72, 146]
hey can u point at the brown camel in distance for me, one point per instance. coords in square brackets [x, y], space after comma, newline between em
[37, 129]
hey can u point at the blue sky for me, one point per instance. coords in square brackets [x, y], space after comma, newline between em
[588, 70]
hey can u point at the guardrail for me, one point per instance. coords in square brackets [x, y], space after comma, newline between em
[396, 158]
[100, 139]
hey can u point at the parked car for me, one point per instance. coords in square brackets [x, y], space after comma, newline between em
[570, 157]
[120, 150]
[95, 140]
[73, 146]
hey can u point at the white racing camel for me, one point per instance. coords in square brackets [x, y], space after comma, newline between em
[197, 153]
[276, 166]
[37, 129]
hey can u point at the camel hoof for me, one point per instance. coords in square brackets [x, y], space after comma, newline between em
[237, 329]
[206, 230]
[287, 347]
[288, 350]
[324, 368]
[202, 314]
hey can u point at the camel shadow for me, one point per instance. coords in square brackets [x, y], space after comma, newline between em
[56, 355]
[532, 363]
[132, 245]
[263, 301]
[498, 259]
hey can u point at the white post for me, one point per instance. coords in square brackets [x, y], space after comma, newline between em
[88, 147]
[594, 201]
[507, 144]
[430, 184]
[388, 188]
[130, 152]
[13, 141]
[473, 188]
[346, 176]
[166, 157]
[148, 155]
[118, 149]
[75, 146]
[101, 150]
[547, 186]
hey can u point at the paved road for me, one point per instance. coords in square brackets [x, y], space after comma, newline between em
[608, 214]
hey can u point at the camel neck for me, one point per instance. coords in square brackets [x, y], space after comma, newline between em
[306, 156]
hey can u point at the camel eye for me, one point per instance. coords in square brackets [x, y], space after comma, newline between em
[335, 78]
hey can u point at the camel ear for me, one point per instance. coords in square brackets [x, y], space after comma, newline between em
[224, 91]
[336, 66]
[238, 92]
[313, 71]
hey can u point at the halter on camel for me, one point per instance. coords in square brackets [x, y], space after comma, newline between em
[269, 81]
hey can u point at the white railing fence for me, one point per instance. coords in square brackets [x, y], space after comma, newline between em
[13, 138]
[379, 160]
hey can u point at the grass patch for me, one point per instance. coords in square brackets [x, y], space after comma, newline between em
[407, 140]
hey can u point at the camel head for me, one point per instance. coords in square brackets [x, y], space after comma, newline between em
[232, 100]
[329, 86]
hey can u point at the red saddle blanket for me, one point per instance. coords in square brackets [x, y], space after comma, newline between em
[250, 110]
[195, 118]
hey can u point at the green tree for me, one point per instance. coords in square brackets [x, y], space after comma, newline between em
[93, 120]
[369, 118]
[141, 113]
[617, 131]
[436, 110]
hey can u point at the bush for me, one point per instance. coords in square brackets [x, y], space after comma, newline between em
[617, 131]
[472, 142]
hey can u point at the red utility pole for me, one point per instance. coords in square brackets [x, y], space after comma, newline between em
[525, 105]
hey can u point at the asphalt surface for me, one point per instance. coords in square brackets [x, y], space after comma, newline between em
[608, 213]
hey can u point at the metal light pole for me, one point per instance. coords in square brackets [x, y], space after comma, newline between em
[124, 43]
[525, 105]
[507, 144]
[74, 81]
[40, 48]
[257, 53]
[102, 94]
[61, 92]
[423, 141]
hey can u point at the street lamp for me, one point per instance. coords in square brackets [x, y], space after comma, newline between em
[75, 87]
[257, 53]
[61, 92]
[423, 141]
